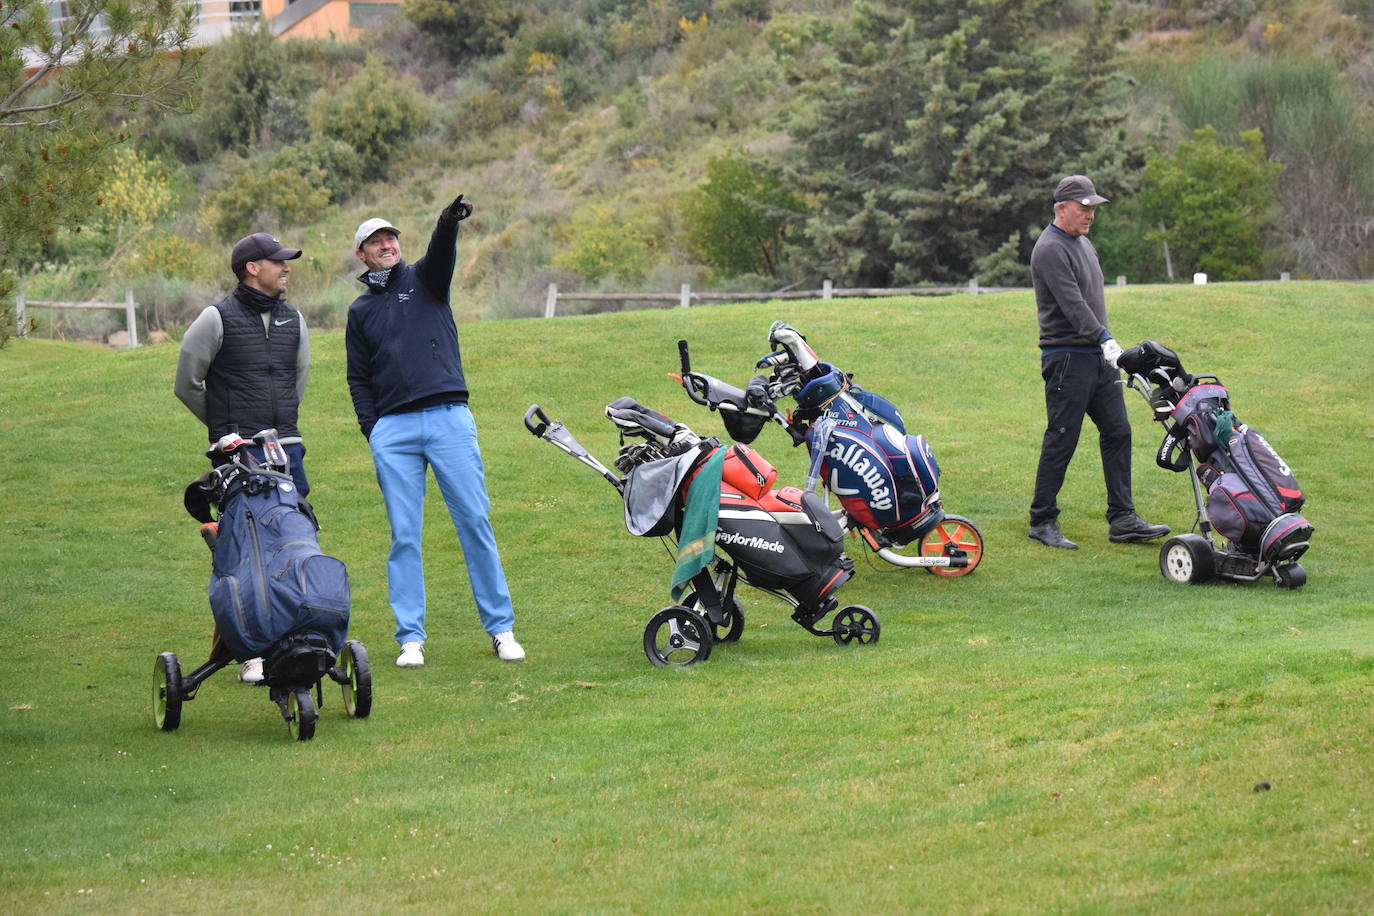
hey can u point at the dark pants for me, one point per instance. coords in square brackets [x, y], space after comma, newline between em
[1078, 385]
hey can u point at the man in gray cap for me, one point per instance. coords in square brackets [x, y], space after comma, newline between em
[1078, 363]
[244, 362]
[405, 374]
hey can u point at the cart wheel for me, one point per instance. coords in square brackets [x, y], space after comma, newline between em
[357, 685]
[677, 636]
[1188, 558]
[960, 532]
[856, 623]
[731, 629]
[167, 692]
[1290, 576]
[301, 714]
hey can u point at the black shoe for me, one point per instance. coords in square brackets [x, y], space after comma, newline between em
[1048, 533]
[1134, 528]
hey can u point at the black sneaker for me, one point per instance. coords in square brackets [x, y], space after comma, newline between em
[1048, 533]
[1134, 528]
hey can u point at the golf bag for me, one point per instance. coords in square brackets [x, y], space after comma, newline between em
[273, 593]
[1251, 496]
[780, 539]
[675, 485]
[884, 478]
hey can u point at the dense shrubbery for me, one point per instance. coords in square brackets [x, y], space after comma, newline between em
[625, 142]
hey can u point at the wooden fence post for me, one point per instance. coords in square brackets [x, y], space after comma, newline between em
[685, 297]
[551, 303]
[827, 289]
[129, 318]
[20, 326]
[973, 285]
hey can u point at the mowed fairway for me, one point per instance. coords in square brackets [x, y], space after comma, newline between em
[1058, 731]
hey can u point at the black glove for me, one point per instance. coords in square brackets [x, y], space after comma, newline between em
[756, 394]
[457, 211]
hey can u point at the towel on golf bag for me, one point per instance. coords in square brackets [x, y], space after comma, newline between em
[697, 543]
[269, 578]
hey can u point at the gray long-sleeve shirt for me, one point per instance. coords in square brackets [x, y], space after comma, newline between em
[1070, 301]
[201, 344]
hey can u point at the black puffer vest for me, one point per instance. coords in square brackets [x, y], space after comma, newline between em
[251, 385]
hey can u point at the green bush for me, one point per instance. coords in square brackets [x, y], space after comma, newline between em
[250, 93]
[458, 29]
[739, 219]
[374, 113]
[264, 200]
[1213, 203]
[604, 244]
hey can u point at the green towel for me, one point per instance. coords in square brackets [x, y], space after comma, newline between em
[697, 545]
[1223, 423]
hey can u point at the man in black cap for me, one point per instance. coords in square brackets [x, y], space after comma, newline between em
[244, 361]
[1078, 363]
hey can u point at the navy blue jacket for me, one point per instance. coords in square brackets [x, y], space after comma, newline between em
[402, 342]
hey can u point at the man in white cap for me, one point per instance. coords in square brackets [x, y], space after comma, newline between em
[245, 359]
[405, 374]
[1078, 363]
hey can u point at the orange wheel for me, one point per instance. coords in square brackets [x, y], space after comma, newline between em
[960, 532]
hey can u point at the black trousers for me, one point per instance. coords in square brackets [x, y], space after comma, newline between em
[1079, 385]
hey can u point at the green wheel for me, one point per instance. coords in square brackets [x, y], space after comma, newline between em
[357, 685]
[301, 714]
[167, 692]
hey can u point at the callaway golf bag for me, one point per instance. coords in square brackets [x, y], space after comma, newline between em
[1244, 491]
[676, 485]
[886, 481]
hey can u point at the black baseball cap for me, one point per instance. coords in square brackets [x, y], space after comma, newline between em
[1079, 188]
[257, 246]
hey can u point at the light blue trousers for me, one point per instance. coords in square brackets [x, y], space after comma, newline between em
[403, 446]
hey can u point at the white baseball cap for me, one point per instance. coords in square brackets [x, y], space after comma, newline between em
[369, 228]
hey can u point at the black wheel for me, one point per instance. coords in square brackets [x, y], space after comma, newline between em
[357, 685]
[856, 623]
[167, 692]
[1188, 558]
[301, 714]
[1290, 576]
[731, 629]
[677, 636]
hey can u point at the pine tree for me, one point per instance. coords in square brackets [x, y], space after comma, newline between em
[61, 85]
[942, 132]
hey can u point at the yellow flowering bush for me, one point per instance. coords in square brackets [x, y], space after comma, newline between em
[137, 191]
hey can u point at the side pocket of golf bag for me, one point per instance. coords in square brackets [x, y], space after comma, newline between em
[1273, 481]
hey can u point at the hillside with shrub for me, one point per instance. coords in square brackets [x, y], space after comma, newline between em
[745, 145]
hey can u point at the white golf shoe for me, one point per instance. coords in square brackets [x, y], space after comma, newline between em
[412, 655]
[507, 649]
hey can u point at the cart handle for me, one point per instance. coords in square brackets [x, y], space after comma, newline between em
[537, 429]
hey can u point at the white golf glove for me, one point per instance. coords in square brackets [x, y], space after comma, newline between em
[1111, 351]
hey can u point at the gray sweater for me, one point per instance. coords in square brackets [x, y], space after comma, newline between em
[1069, 297]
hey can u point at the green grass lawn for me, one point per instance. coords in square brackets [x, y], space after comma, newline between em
[1058, 731]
